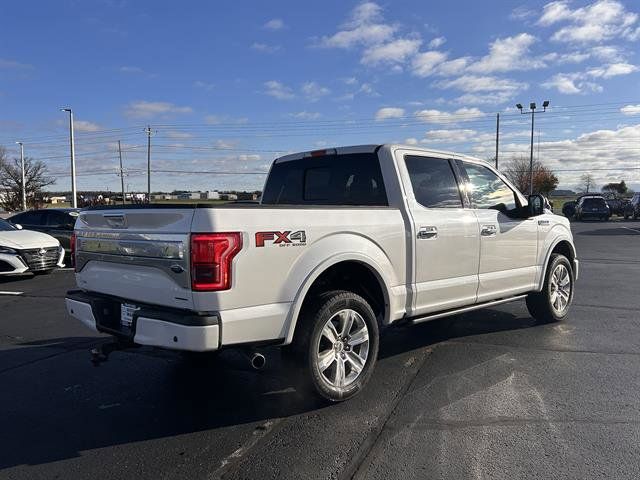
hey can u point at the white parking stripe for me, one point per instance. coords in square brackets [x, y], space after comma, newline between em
[632, 229]
[10, 293]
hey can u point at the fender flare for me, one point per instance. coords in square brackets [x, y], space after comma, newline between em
[370, 263]
[556, 241]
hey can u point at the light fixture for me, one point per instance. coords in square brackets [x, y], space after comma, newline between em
[519, 106]
[532, 105]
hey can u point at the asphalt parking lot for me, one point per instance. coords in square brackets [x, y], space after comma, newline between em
[488, 394]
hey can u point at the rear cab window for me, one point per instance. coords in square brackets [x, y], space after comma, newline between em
[346, 179]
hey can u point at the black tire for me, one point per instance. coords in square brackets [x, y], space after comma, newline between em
[540, 304]
[309, 340]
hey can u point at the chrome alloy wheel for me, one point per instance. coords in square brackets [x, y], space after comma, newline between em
[343, 347]
[560, 289]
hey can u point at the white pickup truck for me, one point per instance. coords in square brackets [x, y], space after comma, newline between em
[344, 243]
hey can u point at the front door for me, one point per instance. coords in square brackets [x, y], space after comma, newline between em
[445, 236]
[508, 244]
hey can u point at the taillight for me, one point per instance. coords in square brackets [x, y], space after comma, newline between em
[211, 257]
[72, 254]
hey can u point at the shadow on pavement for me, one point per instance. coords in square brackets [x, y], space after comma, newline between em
[59, 405]
[610, 231]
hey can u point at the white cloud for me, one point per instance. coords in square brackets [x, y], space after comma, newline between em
[473, 83]
[411, 141]
[450, 136]
[438, 116]
[274, 24]
[612, 70]
[395, 51]
[630, 110]
[364, 28]
[204, 85]
[178, 135]
[436, 42]
[14, 65]
[84, 126]
[389, 112]
[265, 48]
[144, 109]
[218, 119]
[571, 84]
[426, 63]
[313, 91]
[508, 54]
[453, 67]
[304, 115]
[351, 81]
[278, 90]
[599, 21]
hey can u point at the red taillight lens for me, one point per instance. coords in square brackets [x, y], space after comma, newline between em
[72, 254]
[211, 257]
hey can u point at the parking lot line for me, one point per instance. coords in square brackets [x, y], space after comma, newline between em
[10, 293]
[632, 229]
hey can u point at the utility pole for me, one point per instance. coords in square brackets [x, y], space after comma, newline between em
[497, 136]
[121, 173]
[148, 130]
[532, 112]
[22, 185]
[74, 200]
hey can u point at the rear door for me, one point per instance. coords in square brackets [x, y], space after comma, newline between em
[445, 235]
[33, 220]
[508, 244]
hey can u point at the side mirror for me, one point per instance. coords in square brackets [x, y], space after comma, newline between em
[18, 226]
[536, 205]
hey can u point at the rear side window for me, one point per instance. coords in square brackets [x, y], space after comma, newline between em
[29, 218]
[434, 184]
[351, 179]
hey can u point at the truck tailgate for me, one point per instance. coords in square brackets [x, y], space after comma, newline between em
[136, 254]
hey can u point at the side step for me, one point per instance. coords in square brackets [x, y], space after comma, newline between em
[456, 311]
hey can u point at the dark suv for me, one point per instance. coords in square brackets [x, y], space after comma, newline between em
[632, 209]
[592, 207]
[57, 222]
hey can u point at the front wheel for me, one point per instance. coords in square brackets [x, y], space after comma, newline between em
[338, 338]
[552, 303]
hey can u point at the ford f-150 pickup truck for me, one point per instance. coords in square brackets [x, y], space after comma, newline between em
[344, 243]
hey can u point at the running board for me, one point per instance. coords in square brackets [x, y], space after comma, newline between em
[470, 308]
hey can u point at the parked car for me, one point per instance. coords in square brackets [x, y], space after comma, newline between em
[616, 206]
[27, 251]
[344, 243]
[632, 209]
[57, 222]
[569, 209]
[592, 206]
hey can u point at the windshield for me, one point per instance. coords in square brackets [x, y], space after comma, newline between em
[6, 226]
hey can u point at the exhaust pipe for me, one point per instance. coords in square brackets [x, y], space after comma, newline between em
[257, 360]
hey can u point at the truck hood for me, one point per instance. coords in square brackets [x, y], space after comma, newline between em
[26, 239]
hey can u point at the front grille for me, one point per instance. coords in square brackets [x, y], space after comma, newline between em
[39, 259]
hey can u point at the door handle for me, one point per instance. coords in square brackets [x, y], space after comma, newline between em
[488, 230]
[427, 232]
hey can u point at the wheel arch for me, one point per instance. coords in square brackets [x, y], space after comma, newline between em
[562, 245]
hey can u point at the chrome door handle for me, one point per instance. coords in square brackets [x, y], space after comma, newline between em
[427, 232]
[488, 230]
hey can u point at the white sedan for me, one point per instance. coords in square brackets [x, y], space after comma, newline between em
[24, 251]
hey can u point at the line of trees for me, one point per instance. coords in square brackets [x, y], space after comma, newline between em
[35, 175]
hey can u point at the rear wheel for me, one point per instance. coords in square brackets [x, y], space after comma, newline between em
[552, 303]
[338, 340]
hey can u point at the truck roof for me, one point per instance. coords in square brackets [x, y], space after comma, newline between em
[369, 148]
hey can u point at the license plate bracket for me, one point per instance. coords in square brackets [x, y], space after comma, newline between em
[127, 311]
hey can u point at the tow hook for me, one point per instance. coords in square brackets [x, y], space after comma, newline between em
[101, 353]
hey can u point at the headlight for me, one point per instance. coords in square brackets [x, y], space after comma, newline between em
[7, 250]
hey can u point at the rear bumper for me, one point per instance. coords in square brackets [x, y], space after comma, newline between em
[153, 326]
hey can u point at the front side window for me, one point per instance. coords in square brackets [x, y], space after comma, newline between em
[487, 190]
[433, 182]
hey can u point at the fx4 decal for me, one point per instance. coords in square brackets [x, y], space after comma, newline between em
[282, 239]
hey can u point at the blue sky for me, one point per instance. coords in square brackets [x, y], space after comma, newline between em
[227, 86]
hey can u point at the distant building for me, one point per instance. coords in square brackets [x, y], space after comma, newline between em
[215, 195]
[56, 200]
[228, 196]
[189, 196]
[247, 196]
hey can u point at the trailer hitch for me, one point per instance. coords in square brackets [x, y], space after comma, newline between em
[100, 354]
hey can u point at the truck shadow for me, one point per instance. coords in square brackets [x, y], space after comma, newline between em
[57, 405]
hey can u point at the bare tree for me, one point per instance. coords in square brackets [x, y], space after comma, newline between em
[517, 171]
[36, 178]
[587, 182]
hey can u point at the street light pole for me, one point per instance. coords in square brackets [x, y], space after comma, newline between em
[23, 186]
[74, 201]
[532, 112]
